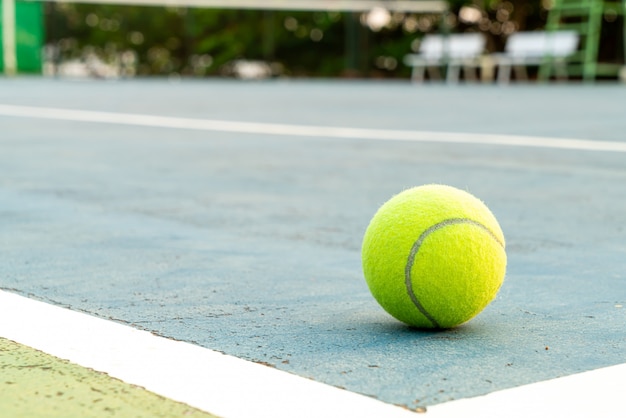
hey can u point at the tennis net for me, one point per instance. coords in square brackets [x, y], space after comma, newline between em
[248, 38]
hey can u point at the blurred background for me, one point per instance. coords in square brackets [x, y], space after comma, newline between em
[262, 39]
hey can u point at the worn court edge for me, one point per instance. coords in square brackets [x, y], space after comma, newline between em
[307, 130]
[208, 380]
[231, 387]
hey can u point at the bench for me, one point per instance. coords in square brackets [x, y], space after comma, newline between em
[524, 49]
[454, 51]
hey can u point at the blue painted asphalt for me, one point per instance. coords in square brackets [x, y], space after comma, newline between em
[250, 244]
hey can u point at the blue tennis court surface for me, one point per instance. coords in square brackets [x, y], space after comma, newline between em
[246, 240]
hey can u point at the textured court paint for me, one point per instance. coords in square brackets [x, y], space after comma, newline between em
[225, 385]
[250, 245]
[268, 392]
[34, 384]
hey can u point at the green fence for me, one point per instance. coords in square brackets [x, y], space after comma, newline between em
[29, 36]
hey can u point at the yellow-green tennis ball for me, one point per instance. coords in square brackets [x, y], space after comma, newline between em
[434, 256]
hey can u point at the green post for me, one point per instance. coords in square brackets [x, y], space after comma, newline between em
[29, 37]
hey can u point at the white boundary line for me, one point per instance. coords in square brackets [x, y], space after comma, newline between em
[217, 383]
[230, 387]
[598, 393]
[155, 121]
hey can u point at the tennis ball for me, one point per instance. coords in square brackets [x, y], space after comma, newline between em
[434, 256]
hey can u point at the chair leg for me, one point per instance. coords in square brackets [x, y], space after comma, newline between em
[504, 73]
[417, 74]
[454, 71]
[487, 69]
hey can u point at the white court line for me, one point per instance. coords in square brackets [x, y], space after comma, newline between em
[217, 383]
[598, 393]
[231, 387]
[308, 130]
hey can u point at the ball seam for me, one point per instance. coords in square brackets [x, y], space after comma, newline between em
[415, 249]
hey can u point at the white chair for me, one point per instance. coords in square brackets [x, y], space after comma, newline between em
[454, 51]
[532, 48]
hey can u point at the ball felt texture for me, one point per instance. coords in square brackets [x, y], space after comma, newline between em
[434, 256]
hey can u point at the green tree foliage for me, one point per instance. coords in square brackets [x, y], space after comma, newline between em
[195, 41]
